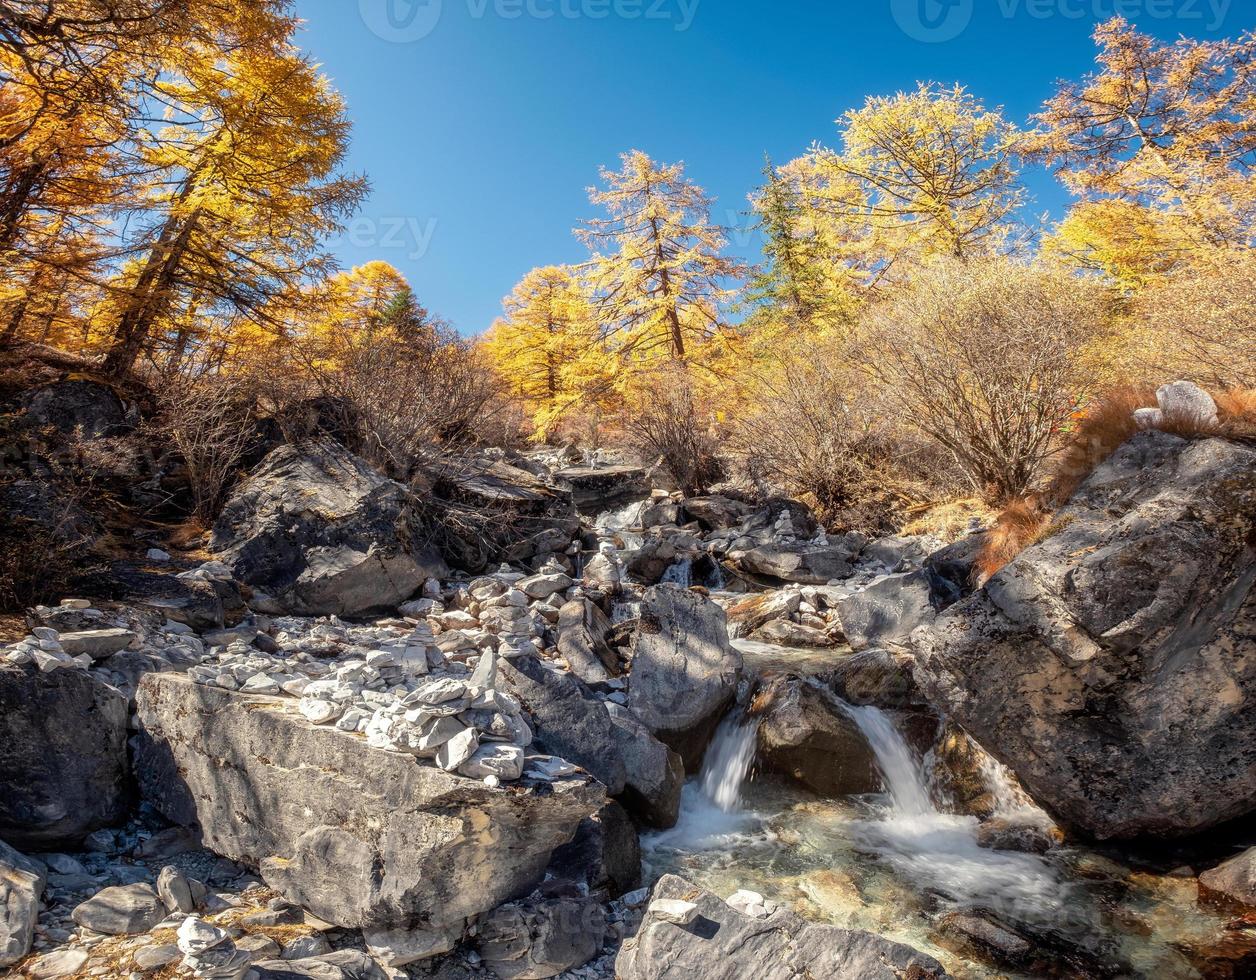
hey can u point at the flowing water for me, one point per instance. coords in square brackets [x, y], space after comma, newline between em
[894, 863]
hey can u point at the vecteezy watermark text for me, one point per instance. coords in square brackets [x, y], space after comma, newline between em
[395, 233]
[403, 21]
[936, 21]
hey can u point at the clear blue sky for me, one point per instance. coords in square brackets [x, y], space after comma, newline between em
[482, 122]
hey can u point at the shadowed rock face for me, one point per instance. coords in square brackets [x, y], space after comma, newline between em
[804, 734]
[1112, 666]
[361, 837]
[323, 533]
[684, 670]
[719, 943]
[63, 765]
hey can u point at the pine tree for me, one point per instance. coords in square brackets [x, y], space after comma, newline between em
[658, 274]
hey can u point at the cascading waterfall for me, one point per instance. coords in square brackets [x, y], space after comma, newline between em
[903, 775]
[728, 761]
[679, 574]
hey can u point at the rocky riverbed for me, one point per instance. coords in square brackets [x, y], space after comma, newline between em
[659, 735]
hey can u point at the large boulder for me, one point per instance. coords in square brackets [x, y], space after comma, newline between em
[76, 406]
[322, 533]
[543, 935]
[684, 670]
[361, 837]
[887, 612]
[688, 933]
[22, 883]
[803, 733]
[63, 763]
[1234, 880]
[1111, 666]
[595, 489]
[654, 773]
[605, 853]
[808, 564]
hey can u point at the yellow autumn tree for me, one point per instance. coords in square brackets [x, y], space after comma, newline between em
[658, 274]
[246, 185]
[548, 349]
[918, 174]
[1158, 145]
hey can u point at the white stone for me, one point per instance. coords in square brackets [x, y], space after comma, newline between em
[673, 910]
[196, 935]
[320, 712]
[457, 750]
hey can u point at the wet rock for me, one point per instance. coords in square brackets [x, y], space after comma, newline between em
[542, 936]
[806, 564]
[63, 761]
[322, 533]
[22, 883]
[583, 633]
[594, 490]
[606, 853]
[803, 734]
[684, 670]
[1027, 836]
[718, 943]
[1110, 665]
[886, 612]
[122, 910]
[875, 677]
[1059, 949]
[959, 774]
[747, 615]
[1234, 880]
[361, 837]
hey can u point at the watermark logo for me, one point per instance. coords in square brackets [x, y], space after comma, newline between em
[410, 236]
[406, 21]
[401, 21]
[937, 21]
[932, 21]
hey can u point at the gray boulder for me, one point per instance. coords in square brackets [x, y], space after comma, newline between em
[322, 533]
[595, 489]
[1111, 665]
[684, 670]
[542, 936]
[805, 735]
[716, 513]
[567, 719]
[887, 612]
[720, 943]
[583, 633]
[654, 773]
[606, 853]
[22, 883]
[345, 964]
[97, 644]
[875, 677]
[753, 612]
[123, 910]
[363, 838]
[808, 564]
[63, 763]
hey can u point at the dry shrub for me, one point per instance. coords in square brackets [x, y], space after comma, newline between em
[671, 425]
[209, 421]
[1201, 324]
[818, 431]
[986, 358]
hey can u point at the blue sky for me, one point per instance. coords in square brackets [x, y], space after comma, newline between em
[483, 122]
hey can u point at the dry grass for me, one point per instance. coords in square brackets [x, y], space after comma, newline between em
[1107, 423]
[949, 520]
[1105, 426]
[1020, 525]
